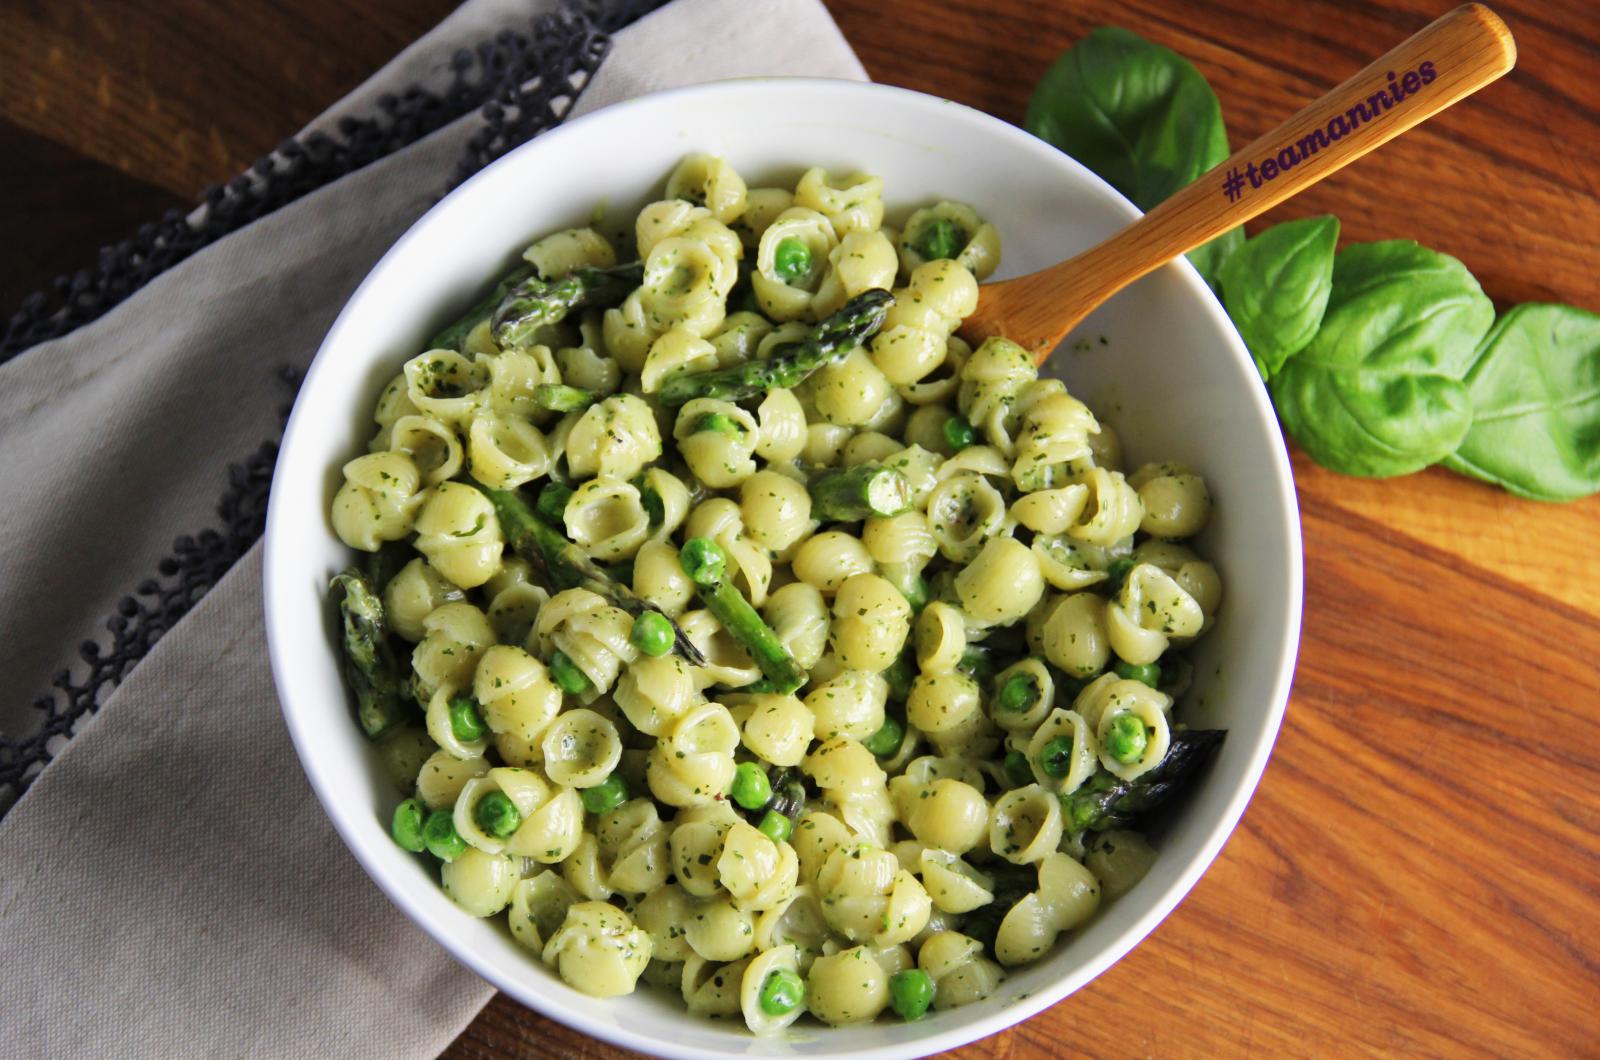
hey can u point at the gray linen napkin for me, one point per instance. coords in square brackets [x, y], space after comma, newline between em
[169, 885]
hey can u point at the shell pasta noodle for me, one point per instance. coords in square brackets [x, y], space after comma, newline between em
[732, 628]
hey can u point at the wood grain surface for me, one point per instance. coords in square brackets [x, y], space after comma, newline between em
[1419, 871]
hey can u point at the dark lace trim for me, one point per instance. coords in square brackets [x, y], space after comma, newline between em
[523, 83]
[196, 564]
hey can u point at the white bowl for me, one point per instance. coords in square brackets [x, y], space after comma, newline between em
[1160, 361]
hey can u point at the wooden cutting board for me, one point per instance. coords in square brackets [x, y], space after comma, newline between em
[1419, 871]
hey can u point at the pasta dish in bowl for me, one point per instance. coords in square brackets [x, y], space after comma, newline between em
[717, 621]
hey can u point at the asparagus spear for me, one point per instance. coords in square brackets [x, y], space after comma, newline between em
[845, 495]
[453, 336]
[788, 793]
[534, 303]
[1011, 883]
[381, 566]
[552, 502]
[560, 398]
[718, 423]
[564, 566]
[369, 662]
[978, 663]
[776, 819]
[702, 559]
[1107, 802]
[854, 323]
[909, 580]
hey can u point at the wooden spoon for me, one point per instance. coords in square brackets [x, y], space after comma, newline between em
[1449, 59]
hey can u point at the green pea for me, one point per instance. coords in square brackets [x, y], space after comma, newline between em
[1017, 770]
[718, 423]
[465, 721]
[900, 675]
[939, 238]
[886, 741]
[406, 826]
[1149, 673]
[497, 814]
[652, 633]
[781, 992]
[440, 836]
[702, 559]
[567, 676]
[1019, 692]
[606, 795]
[1055, 758]
[775, 826]
[1080, 809]
[1126, 740]
[791, 260]
[751, 788]
[552, 502]
[958, 433]
[910, 993]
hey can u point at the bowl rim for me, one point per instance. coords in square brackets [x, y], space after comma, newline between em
[344, 819]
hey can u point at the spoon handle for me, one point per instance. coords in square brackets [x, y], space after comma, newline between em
[1450, 58]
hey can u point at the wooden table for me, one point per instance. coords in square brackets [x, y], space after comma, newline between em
[1420, 869]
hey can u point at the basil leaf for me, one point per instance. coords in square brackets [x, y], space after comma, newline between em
[1139, 115]
[1378, 391]
[1276, 288]
[1209, 258]
[1535, 387]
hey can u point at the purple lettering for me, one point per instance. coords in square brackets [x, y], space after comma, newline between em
[1309, 145]
[1428, 73]
[1269, 168]
[1376, 98]
[1395, 89]
[1287, 158]
[1337, 128]
[1357, 114]
[1255, 177]
[1412, 82]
